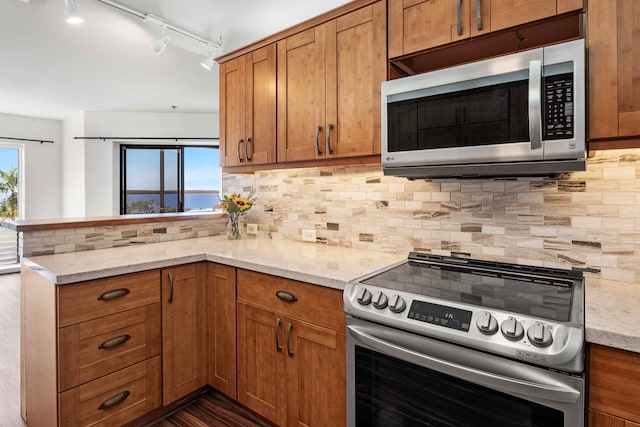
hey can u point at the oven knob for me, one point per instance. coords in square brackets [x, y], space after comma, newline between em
[364, 297]
[397, 304]
[487, 324]
[512, 329]
[539, 335]
[380, 300]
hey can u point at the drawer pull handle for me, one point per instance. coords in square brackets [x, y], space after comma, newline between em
[286, 296]
[114, 400]
[114, 342]
[289, 328]
[113, 294]
[278, 346]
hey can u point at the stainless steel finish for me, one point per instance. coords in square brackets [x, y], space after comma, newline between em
[535, 116]
[546, 387]
[397, 304]
[479, 15]
[364, 296]
[318, 152]
[240, 159]
[380, 300]
[246, 150]
[539, 335]
[458, 18]
[510, 159]
[512, 329]
[487, 324]
[329, 128]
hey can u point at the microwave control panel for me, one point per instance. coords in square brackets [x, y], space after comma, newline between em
[558, 107]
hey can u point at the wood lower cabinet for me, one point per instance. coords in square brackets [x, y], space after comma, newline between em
[614, 70]
[614, 391]
[184, 331]
[221, 328]
[248, 109]
[416, 25]
[329, 80]
[291, 350]
[90, 351]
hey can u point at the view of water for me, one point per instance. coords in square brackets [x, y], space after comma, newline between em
[150, 203]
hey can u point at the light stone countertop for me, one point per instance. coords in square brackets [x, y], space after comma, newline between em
[330, 266]
[612, 310]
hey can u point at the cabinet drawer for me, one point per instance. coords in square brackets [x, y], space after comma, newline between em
[315, 304]
[114, 399]
[97, 298]
[95, 348]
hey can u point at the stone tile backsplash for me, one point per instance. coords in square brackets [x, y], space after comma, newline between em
[585, 219]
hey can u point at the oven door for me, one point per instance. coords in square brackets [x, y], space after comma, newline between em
[396, 378]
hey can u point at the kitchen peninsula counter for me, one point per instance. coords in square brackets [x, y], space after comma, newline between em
[611, 312]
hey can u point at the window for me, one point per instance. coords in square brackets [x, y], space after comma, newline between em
[162, 179]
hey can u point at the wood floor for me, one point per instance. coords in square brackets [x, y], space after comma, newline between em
[211, 410]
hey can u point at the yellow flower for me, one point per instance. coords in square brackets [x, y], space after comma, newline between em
[242, 203]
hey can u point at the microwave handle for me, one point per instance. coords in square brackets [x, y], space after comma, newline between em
[535, 110]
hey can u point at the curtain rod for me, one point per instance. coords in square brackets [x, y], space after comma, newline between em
[41, 141]
[146, 138]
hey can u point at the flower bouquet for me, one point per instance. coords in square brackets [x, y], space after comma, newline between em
[235, 205]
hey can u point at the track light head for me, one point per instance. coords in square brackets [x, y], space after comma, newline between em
[160, 44]
[209, 61]
[71, 14]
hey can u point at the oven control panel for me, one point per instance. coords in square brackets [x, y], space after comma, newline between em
[534, 340]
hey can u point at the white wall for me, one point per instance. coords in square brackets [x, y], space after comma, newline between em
[101, 167]
[73, 161]
[42, 163]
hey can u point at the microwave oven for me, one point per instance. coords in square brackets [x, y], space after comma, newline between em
[518, 114]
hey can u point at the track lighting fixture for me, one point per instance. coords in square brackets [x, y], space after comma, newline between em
[71, 14]
[209, 60]
[160, 44]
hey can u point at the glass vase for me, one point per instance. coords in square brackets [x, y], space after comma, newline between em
[234, 225]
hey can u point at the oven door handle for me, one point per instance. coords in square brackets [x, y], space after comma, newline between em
[555, 392]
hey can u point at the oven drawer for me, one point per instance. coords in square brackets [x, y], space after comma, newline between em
[97, 347]
[316, 304]
[97, 298]
[114, 399]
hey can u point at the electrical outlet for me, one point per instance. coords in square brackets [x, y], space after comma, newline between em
[308, 235]
[252, 229]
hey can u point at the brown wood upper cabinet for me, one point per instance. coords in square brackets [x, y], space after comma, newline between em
[416, 25]
[248, 109]
[329, 80]
[614, 69]
[184, 332]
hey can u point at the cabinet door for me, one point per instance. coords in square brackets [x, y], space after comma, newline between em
[356, 66]
[261, 370]
[301, 96]
[416, 25]
[221, 328]
[599, 419]
[184, 331]
[260, 144]
[614, 67]
[232, 112]
[316, 375]
[509, 13]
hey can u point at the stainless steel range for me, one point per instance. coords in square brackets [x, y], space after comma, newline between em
[446, 341]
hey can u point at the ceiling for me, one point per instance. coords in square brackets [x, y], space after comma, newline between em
[49, 68]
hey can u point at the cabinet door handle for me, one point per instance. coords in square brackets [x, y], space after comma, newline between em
[286, 296]
[240, 159]
[478, 15]
[278, 346]
[318, 152]
[246, 150]
[170, 287]
[113, 294]
[329, 127]
[289, 328]
[114, 400]
[458, 20]
[114, 342]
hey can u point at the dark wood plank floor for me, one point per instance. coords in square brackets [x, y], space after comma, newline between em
[10, 351]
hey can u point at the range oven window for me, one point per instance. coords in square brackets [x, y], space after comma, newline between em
[394, 393]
